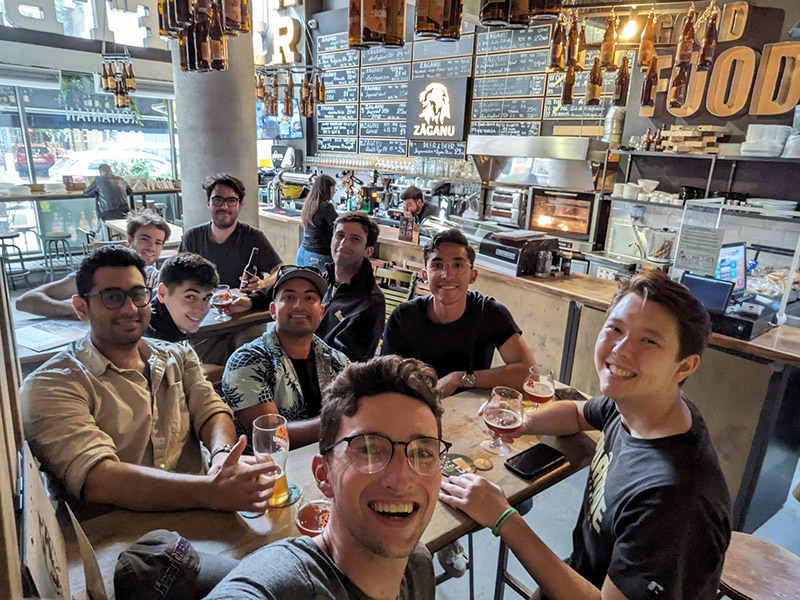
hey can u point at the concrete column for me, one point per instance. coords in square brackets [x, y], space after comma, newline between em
[215, 114]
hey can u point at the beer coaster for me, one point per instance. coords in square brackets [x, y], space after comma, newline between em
[483, 464]
[457, 464]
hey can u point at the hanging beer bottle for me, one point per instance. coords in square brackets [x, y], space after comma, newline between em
[162, 23]
[451, 22]
[323, 98]
[131, 81]
[594, 86]
[558, 48]
[354, 25]
[519, 14]
[709, 45]
[572, 42]
[183, 12]
[395, 24]
[683, 52]
[201, 41]
[429, 18]
[316, 89]
[117, 95]
[261, 93]
[233, 16]
[244, 23]
[658, 140]
[609, 46]
[218, 41]
[172, 18]
[182, 50]
[373, 22]
[104, 78]
[647, 141]
[305, 91]
[568, 89]
[124, 74]
[494, 12]
[288, 96]
[622, 83]
[580, 58]
[677, 90]
[650, 84]
[552, 10]
[647, 44]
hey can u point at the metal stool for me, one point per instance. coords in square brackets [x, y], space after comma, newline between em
[758, 570]
[55, 247]
[13, 274]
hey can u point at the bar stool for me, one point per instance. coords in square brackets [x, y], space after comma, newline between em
[55, 247]
[7, 247]
[755, 569]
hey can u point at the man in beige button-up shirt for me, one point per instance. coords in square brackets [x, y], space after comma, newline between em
[118, 419]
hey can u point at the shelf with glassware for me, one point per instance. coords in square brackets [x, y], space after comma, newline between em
[450, 169]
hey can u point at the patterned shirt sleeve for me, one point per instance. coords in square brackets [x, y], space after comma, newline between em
[249, 379]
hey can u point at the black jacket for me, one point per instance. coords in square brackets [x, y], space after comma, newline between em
[162, 327]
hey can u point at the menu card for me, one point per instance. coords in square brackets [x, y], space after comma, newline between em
[47, 335]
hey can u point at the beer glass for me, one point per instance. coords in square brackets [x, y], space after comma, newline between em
[271, 445]
[538, 388]
[221, 300]
[502, 414]
[312, 511]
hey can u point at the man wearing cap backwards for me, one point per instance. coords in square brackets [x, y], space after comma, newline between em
[380, 465]
[119, 419]
[288, 365]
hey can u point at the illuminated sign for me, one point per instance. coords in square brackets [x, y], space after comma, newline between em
[436, 109]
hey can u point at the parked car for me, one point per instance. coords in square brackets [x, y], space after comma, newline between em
[43, 160]
[86, 163]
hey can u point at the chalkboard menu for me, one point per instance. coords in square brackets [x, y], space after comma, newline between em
[339, 60]
[390, 91]
[337, 128]
[348, 112]
[379, 56]
[452, 67]
[395, 129]
[437, 149]
[515, 128]
[555, 83]
[384, 111]
[507, 109]
[533, 61]
[385, 147]
[386, 74]
[341, 77]
[491, 87]
[554, 110]
[514, 39]
[341, 94]
[329, 43]
[430, 49]
[335, 144]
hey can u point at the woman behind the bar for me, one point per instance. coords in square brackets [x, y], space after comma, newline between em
[318, 216]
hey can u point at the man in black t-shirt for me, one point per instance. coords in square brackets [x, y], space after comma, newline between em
[655, 521]
[457, 331]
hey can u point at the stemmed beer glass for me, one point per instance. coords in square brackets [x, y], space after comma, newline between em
[502, 414]
[221, 300]
[538, 388]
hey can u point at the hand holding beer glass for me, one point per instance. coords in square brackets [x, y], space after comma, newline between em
[221, 300]
[271, 445]
[502, 414]
[538, 388]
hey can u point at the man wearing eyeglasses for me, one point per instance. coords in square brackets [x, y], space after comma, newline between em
[117, 419]
[288, 365]
[381, 475]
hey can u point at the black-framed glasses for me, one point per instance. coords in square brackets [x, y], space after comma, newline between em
[371, 452]
[113, 298]
[220, 200]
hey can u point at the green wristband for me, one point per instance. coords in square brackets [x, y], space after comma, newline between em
[502, 519]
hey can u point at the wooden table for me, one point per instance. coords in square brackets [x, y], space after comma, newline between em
[232, 535]
[120, 226]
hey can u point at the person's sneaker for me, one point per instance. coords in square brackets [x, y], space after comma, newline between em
[453, 559]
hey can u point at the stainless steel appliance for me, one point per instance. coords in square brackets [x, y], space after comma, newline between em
[507, 205]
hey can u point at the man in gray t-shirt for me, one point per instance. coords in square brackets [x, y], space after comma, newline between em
[381, 476]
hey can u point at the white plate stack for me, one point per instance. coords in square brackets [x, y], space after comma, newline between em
[765, 140]
[773, 204]
[19, 190]
[55, 188]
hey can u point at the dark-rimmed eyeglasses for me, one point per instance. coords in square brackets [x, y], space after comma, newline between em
[371, 452]
[283, 270]
[220, 200]
[113, 298]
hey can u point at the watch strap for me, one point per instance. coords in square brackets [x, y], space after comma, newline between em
[223, 448]
[468, 380]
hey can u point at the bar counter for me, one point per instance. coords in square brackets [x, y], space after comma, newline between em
[748, 392]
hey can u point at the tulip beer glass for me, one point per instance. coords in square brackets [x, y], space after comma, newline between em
[221, 300]
[538, 389]
[501, 414]
[313, 510]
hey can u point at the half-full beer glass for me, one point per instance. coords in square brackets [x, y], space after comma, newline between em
[271, 445]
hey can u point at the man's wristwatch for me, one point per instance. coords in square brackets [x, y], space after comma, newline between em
[468, 381]
[223, 448]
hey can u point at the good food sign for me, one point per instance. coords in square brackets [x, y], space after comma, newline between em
[436, 109]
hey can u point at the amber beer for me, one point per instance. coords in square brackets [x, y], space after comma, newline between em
[502, 421]
[280, 493]
[494, 12]
[373, 22]
[396, 24]
[519, 14]
[572, 44]
[538, 392]
[429, 18]
[594, 86]
[647, 44]
[451, 21]
[354, 25]
[558, 48]
[708, 45]
[569, 86]
[609, 45]
[312, 518]
[650, 84]
[580, 59]
[218, 40]
[677, 90]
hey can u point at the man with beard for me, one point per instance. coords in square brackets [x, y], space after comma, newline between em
[415, 206]
[117, 419]
[381, 475]
[288, 366]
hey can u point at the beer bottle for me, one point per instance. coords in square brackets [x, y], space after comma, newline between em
[260, 91]
[316, 89]
[244, 23]
[709, 45]
[622, 83]
[396, 24]
[594, 86]
[305, 91]
[183, 12]
[124, 74]
[202, 43]
[572, 44]
[182, 50]
[354, 25]
[568, 89]
[250, 269]
[650, 84]
[552, 10]
[288, 96]
[218, 41]
[233, 16]
[647, 141]
[580, 59]
[373, 22]
[683, 52]
[162, 23]
[493, 12]
[131, 80]
[519, 14]
[117, 91]
[172, 16]
[647, 45]
[677, 90]
[428, 18]
[323, 98]
[658, 140]
[273, 97]
[609, 46]
[104, 79]
[557, 48]
[451, 21]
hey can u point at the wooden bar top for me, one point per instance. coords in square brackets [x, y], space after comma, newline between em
[780, 344]
[44, 196]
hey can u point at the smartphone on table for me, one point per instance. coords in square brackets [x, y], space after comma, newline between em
[535, 460]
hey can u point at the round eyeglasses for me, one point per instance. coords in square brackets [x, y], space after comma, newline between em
[113, 298]
[371, 452]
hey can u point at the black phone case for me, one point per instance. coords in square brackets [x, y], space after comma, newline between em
[550, 459]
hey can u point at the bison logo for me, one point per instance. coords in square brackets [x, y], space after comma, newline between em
[435, 101]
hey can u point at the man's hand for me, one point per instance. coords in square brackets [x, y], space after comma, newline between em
[252, 284]
[237, 486]
[241, 304]
[480, 499]
[450, 383]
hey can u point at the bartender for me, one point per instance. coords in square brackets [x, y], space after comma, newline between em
[413, 205]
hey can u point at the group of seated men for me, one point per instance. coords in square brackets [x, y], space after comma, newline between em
[127, 420]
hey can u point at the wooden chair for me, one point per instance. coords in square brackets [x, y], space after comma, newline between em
[758, 570]
[419, 287]
[396, 286]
